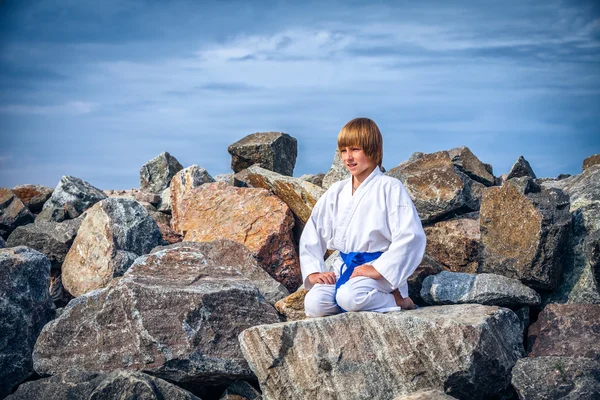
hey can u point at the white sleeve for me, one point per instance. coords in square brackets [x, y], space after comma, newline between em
[313, 242]
[407, 245]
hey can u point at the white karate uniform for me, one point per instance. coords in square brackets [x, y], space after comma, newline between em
[379, 217]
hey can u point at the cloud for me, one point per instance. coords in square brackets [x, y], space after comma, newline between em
[70, 108]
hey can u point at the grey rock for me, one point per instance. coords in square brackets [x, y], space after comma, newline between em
[13, 212]
[275, 151]
[53, 239]
[227, 178]
[25, 307]
[59, 294]
[488, 289]
[71, 197]
[241, 390]
[425, 395]
[416, 155]
[114, 233]
[523, 314]
[33, 196]
[469, 164]
[236, 255]
[521, 168]
[165, 201]
[337, 172]
[148, 197]
[315, 179]
[466, 350]
[156, 174]
[2, 243]
[240, 179]
[554, 378]
[98, 386]
[429, 266]
[175, 314]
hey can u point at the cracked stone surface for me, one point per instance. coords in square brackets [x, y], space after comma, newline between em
[275, 151]
[13, 213]
[156, 174]
[71, 197]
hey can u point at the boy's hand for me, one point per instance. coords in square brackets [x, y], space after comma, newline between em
[366, 270]
[327, 278]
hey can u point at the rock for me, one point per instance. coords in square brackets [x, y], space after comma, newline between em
[469, 164]
[571, 330]
[147, 197]
[556, 378]
[71, 197]
[25, 307]
[163, 221]
[416, 155]
[466, 350]
[2, 243]
[577, 284]
[156, 174]
[233, 254]
[488, 289]
[425, 395]
[520, 168]
[33, 196]
[241, 390]
[125, 194]
[437, 190]
[455, 243]
[291, 308]
[227, 178]
[591, 161]
[337, 172]
[427, 267]
[253, 217]
[164, 205]
[274, 151]
[184, 181]
[53, 239]
[316, 179]
[114, 233]
[523, 236]
[240, 179]
[299, 195]
[59, 295]
[175, 314]
[99, 386]
[13, 212]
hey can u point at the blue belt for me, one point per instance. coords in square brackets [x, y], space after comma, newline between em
[351, 261]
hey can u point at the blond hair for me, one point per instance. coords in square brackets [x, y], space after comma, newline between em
[363, 133]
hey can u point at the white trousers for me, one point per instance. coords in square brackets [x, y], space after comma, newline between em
[358, 294]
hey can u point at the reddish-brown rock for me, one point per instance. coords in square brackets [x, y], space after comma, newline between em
[33, 196]
[13, 212]
[455, 244]
[253, 217]
[164, 224]
[571, 330]
[591, 161]
[183, 181]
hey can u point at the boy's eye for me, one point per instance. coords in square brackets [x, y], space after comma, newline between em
[343, 151]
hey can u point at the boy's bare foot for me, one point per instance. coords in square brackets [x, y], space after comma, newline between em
[404, 303]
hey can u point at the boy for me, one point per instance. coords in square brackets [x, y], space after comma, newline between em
[372, 221]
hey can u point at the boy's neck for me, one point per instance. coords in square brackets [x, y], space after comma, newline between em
[357, 180]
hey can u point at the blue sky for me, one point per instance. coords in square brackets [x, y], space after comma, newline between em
[96, 90]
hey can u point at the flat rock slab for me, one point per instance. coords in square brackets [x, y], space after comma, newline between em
[175, 314]
[488, 289]
[25, 307]
[571, 330]
[13, 212]
[275, 151]
[156, 174]
[467, 351]
[114, 233]
[455, 244]
[97, 386]
[33, 196]
[253, 217]
[71, 197]
[554, 378]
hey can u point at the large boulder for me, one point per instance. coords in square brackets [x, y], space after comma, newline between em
[554, 378]
[114, 233]
[275, 151]
[469, 164]
[571, 330]
[521, 168]
[299, 195]
[591, 161]
[184, 181]
[524, 232]
[466, 350]
[436, 187]
[13, 212]
[98, 386]
[578, 284]
[71, 197]
[53, 239]
[25, 307]
[234, 254]
[337, 172]
[156, 174]
[33, 196]
[455, 244]
[489, 289]
[253, 217]
[175, 314]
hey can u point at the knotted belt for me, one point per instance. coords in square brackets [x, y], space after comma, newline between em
[351, 261]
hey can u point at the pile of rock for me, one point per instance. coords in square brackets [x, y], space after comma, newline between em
[178, 289]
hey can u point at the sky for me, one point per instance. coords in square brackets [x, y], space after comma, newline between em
[96, 89]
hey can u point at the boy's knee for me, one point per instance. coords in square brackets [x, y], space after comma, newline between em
[314, 304]
[348, 299]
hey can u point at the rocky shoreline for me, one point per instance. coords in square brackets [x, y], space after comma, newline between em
[189, 286]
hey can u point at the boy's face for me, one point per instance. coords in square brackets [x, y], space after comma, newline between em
[357, 162]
